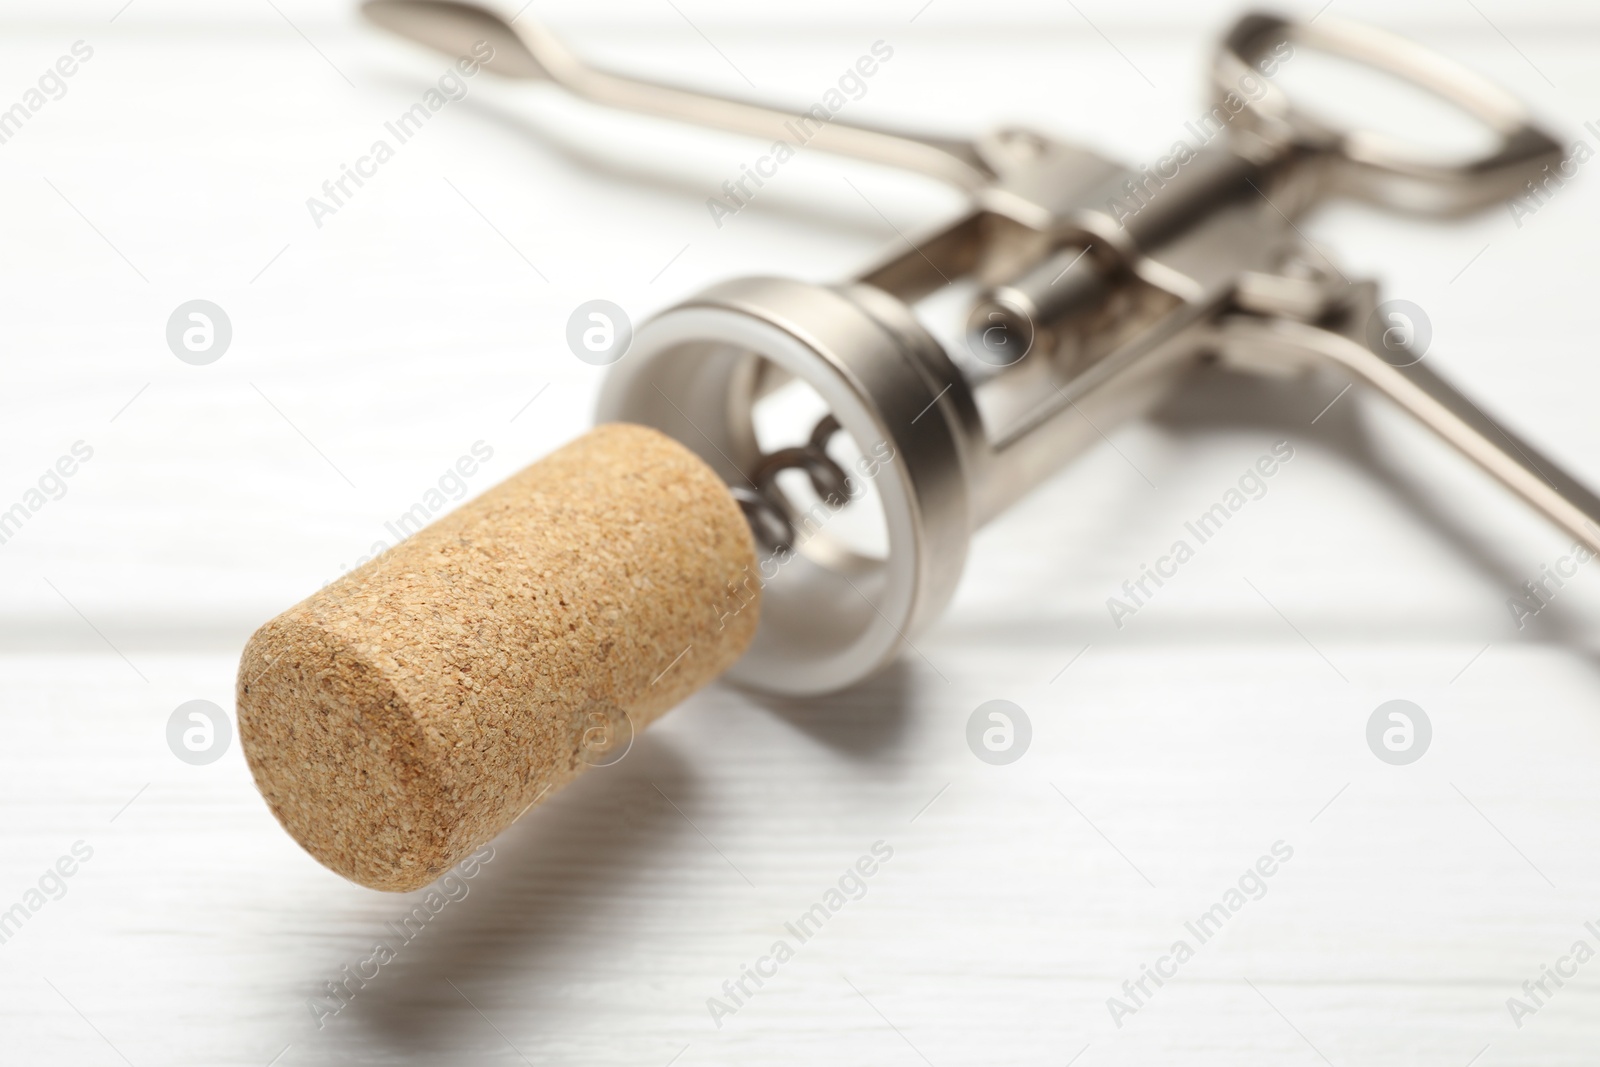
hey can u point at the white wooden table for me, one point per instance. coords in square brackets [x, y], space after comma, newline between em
[1167, 757]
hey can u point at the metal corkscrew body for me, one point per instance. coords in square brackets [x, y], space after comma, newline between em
[1092, 290]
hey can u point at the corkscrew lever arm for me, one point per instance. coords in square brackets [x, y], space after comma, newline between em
[525, 49]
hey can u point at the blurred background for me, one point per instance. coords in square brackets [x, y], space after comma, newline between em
[425, 320]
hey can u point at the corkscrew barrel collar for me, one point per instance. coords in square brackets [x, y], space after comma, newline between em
[831, 615]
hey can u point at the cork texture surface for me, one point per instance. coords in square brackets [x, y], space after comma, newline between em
[419, 705]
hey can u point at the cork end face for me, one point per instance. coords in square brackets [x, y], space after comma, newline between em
[340, 759]
[410, 711]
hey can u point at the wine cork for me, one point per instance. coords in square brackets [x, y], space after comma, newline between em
[416, 707]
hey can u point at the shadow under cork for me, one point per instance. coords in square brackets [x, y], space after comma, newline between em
[1218, 399]
[569, 868]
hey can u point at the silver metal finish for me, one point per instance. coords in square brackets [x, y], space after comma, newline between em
[1435, 403]
[1367, 164]
[1100, 287]
[528, 50]
[830, 615]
